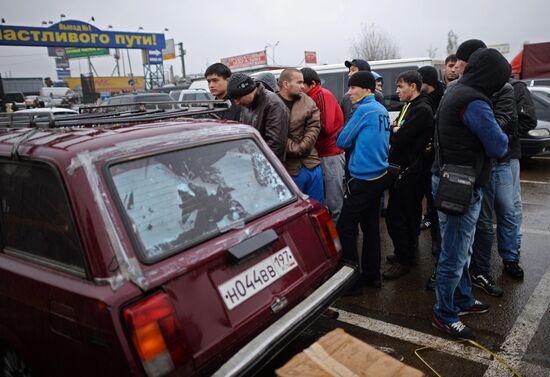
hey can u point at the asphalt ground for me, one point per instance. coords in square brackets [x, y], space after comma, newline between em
[398, 315]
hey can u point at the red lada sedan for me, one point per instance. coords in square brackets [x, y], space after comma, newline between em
[167, 248]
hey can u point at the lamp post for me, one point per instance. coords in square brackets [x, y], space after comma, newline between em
[272, 50]
[61, 17]
[182, 54]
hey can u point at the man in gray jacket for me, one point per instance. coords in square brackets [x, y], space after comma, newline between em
[263, 110]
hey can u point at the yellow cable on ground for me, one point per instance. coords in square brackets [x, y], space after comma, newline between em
[475, 344]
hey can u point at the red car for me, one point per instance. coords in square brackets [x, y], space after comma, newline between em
[155, 248]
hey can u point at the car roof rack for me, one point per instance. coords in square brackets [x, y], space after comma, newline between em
[97, 115]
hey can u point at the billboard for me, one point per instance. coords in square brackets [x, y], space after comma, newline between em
[310, 57]
[74, 33]
[151, 56]
[246, 60]
[170, 51]
[110, 84]
[74, 52]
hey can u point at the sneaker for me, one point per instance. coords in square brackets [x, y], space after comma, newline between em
[430, 284]
[513, 269]
[486, 282]
[455, 329]
[425, 223]
[477, 308]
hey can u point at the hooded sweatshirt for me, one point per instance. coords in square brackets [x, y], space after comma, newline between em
[467, 132]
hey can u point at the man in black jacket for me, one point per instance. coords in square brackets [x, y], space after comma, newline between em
[411, 133]
[217, 76]
[261, 109]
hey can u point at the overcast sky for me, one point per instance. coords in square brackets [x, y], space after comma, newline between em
[213, 29]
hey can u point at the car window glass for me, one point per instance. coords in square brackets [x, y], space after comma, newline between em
[175, 94]
[35, 217]
[335, 83]
[178, 199]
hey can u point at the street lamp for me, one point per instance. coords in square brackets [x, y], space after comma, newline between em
[140, 28]
[272, 50]
[61, 17]
[47, 22]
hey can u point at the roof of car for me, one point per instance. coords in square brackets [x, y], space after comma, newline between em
[44, 110]
[62, 144]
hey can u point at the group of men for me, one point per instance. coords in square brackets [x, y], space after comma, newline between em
[346, 155]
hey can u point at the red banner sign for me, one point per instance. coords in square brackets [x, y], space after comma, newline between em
[246, 60]
[310, 57]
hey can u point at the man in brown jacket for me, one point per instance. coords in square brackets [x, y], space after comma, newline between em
[262, 110]
[302, 161]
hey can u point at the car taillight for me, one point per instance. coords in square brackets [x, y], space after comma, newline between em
[156, 334]
[327, 232]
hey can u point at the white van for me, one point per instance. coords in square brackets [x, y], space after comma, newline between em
[55, 96]
[334, 77]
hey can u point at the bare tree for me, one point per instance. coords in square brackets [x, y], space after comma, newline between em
[374, 44]
[452, 42]
[432, 51]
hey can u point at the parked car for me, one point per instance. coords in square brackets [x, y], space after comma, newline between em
[541, 98]
[537, 82]
[191, 95]
[149, 101]
[17, 98]
[139, 250]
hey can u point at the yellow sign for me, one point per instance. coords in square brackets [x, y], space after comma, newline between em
[110, 84]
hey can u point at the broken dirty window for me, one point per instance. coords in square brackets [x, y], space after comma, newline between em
[35, 218]
[178, 199]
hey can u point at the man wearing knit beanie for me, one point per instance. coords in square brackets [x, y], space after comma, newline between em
[365, 138]
[354, 66]
[262, 110]
[464, 51]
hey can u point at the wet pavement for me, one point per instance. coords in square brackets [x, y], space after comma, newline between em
[516, 328]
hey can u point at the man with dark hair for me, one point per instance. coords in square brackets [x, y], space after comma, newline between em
[217, 76]
[332, 157]
[354, 66]
[410, 136]
[262, 110]
[302, 161]
[467, 134]
[449, 72]
[365, 136]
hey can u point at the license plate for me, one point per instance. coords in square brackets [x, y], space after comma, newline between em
[245, 285]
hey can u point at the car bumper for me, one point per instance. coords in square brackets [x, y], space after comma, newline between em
[265, 345]
[535, 146]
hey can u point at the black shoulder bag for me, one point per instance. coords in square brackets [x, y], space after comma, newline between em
[456, 184]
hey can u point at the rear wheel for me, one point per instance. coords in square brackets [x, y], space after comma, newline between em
[12, 364]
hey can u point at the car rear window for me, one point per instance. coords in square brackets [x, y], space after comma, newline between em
[178, 199]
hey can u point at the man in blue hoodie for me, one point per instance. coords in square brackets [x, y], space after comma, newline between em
[365, 138]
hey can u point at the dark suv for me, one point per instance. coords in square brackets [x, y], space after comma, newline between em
[129, 249]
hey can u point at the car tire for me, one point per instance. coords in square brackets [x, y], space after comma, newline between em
[12, 364]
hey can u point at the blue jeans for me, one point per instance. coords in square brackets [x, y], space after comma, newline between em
[453, 287]
[514, 164]
[310, 182]
[498, 194]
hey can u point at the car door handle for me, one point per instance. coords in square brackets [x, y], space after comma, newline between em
[260, 241]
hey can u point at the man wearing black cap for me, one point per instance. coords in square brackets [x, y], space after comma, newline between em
[365, 138]
[467, 134]
[354, 66]
[411, 134]
[262, 109]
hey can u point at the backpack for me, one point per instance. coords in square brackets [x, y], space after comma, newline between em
[527, 118]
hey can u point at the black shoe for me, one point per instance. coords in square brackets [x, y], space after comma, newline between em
[456, 329]
[374, 283]
[486, 283]
[430, 284]
[514, 270]
[392, 258]
[477, 308]
[395, 271]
